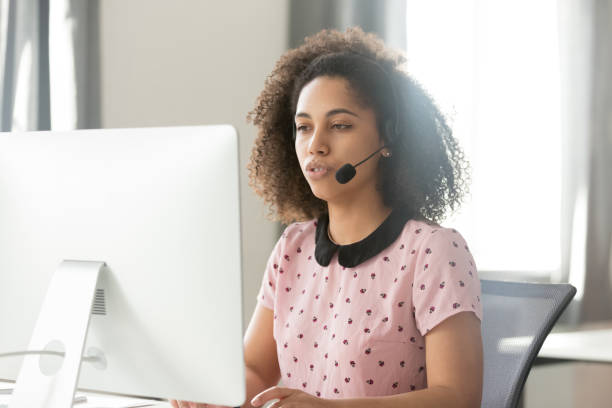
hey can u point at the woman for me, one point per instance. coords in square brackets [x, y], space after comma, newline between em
[366, 301]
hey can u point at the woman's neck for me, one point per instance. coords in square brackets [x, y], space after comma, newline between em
[352, 222]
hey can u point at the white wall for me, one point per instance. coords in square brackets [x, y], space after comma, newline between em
[193, 62]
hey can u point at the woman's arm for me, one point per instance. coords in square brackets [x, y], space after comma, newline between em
[454, 374]
[262, 370]
[453, 352]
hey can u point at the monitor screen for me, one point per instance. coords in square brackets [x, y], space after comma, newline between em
[160, 207]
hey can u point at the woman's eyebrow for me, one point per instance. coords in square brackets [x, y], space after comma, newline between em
[328, 114]
[340, 110]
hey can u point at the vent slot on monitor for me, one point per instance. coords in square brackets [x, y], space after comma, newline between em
[99, 305]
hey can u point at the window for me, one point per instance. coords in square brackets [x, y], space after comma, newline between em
[493, 68]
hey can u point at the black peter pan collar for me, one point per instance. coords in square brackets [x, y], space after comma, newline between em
[352, 255]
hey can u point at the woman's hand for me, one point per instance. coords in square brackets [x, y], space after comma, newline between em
[289, 397]
[186, 404]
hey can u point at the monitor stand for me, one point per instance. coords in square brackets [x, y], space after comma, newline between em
[48, 381]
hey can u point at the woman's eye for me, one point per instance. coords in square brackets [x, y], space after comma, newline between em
[341, 126]
[301, 128]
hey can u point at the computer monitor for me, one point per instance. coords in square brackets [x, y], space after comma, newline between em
[156, 211]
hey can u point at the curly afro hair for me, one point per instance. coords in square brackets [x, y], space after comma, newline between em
[427, 174]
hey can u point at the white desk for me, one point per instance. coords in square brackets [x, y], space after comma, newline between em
[594, 344]
[95, 400]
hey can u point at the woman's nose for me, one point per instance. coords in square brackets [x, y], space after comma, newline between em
[318, 143]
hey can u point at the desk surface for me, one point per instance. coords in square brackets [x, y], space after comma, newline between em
[587, 343]
[94, 400]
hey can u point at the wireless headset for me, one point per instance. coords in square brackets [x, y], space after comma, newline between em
[391, 127]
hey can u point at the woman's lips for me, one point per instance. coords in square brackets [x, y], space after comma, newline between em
[317, 173]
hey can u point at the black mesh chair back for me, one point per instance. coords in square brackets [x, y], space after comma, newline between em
[517, 317]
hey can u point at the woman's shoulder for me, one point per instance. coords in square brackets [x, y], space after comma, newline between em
[299, 228]
[296, 241]
[425, 231]
[421, 228]
[298, 232]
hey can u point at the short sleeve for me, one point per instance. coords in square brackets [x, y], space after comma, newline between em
[445, 280]
[267, 291]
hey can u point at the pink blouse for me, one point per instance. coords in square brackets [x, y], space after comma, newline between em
[344, 332]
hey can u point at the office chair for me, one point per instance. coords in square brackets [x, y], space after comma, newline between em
[517, 317]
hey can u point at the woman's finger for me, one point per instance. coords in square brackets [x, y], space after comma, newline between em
[272, 393]
[277, 404]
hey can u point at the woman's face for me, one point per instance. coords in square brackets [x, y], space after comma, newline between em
[332, 129]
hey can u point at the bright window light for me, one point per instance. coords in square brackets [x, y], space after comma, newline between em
[493, 68]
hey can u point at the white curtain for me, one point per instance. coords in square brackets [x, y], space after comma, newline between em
[585, 28]
[45, 64]
[20, 64]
